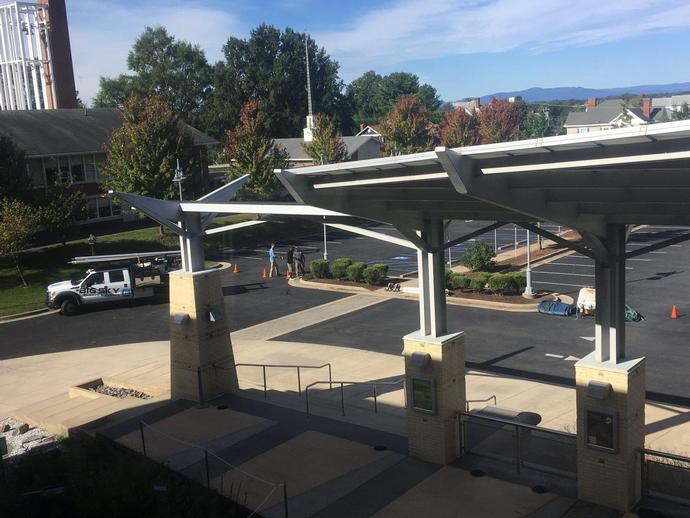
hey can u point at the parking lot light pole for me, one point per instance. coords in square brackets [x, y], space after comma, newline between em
[528, 287]
[325, 243]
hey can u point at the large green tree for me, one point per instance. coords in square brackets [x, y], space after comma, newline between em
[60, 208]
[270, 66]
[175, 70]
[142, 153]
[18, 222]
[405, 128]
[14, 181]
[327, 147]
[373, 95]
[251, 150]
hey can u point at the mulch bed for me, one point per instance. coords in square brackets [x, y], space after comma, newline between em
[509, 299]
[346, 283]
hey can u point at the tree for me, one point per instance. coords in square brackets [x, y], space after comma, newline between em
[175, 70]
[142, 153]
[270, 66]
[62, 206]
[251, 151]
[328, 146]
[18, 223]
[535, 125]
[405, 128]
[459, 128]
[499, 121]
[373, 95]
[14, 181]
[625, 119]
[478, 256]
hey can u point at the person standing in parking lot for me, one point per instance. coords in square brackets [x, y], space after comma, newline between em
[272, 261]
[290, 260]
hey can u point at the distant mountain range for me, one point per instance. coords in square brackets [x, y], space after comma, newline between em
[564, 93]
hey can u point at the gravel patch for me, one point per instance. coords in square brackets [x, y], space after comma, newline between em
[22, 438]
[119, 392]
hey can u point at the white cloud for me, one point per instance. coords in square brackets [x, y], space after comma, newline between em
[436, 28]
[102, 33]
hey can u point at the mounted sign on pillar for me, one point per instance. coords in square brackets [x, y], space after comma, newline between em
[434, 359]
[610, 390]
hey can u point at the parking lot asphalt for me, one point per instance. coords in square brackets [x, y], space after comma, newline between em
[529, 345]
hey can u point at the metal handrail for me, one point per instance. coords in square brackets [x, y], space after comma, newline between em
[374, 384]
[285, 366]
[520, 425]
[467, 402]
[665, 455]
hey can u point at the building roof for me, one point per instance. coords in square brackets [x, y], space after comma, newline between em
[673, 100]
[606, 112]
[295, 148]
[70, 132]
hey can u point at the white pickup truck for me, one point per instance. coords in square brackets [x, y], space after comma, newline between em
[113, 280]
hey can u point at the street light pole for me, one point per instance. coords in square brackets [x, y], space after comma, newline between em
[325, 243]
[528, 288]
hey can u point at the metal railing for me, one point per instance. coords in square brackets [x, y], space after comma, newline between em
[665, 476]
[265, 366]
[467, 402]
[374, 384]
[522, 445]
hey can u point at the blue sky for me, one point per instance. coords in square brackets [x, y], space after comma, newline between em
[463, 48]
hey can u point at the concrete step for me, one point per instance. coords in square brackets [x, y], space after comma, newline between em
[33, 412]
[152, 379]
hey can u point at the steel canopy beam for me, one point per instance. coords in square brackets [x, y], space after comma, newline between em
[657, 246]
[375, 235]
[557, 239]
[474, 234]
[234, 226]
[287, 209]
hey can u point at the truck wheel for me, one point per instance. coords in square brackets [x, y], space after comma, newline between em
[69, 307]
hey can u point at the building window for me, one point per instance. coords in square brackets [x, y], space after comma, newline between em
[64, 170]
[90, 168]
[98, 208]
[51, 171]
[92, 208]
[35, 171]
[76, 165]
[583, 130]
[104, 208]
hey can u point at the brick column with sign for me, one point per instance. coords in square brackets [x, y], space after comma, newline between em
[435, 384]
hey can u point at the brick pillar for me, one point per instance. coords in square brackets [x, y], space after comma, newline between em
[435, 364]
[197, 342]
[605, 477]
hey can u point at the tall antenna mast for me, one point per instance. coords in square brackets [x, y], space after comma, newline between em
[306, 51]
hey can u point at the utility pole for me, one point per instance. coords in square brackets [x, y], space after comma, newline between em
[179, 177]
[528, 288]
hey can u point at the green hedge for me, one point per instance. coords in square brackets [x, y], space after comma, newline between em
[520, 280]
[320, 268]
[339, 267]
[501, 284]
[479, 281]
[458, 281]
[375, 273]
[355, 272]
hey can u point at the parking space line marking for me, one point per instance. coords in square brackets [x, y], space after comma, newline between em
[572, 264]
[558, 284]
[551, 355]
[657, 252]
[564, 273]
[645, 260]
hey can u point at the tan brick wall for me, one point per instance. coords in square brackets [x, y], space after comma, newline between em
[434, 437]
[612, 479]
[199, 343]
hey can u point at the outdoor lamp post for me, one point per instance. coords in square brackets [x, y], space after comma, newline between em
[179, 177]
[325, 243]
[528, 288]
[92, 242]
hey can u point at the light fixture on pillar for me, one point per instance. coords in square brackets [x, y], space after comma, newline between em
[215, 315]
[180, 319]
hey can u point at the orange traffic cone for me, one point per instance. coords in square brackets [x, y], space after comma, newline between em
[263, 275]
[287, 275]
[674, 312]
[235, 269]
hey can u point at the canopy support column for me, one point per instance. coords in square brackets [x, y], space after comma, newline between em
[191, 244]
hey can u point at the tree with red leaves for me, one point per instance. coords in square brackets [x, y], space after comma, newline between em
[499, 121]
[405, 128]
[459, 128]
[252, 151]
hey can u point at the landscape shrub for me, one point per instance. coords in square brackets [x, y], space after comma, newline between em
[502, 284]
[375, 273]
[520, 281]
[320, 268]
[339, 267]
[479, 281]
[478, 256]
[459, 282]
[449, 276]
[355, 271]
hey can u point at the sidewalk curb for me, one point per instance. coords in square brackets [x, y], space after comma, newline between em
[27, 314]
[455, 301]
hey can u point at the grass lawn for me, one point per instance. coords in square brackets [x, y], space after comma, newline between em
[48, 265]
[98, 479]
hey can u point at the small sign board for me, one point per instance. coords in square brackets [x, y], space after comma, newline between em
[602, 430]
[424, 395]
